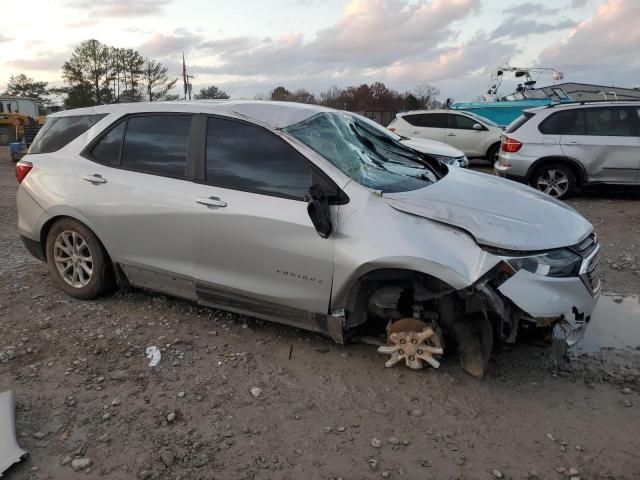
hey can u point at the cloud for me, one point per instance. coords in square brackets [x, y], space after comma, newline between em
[4, 38]
[601, 47]
[514, 28]
[371, 35]
[161, 45]
[530, 8]
[578, 3]
[119, 8]
[44, 62]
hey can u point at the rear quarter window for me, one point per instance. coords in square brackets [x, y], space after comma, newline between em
[60, 131]
[518, 122]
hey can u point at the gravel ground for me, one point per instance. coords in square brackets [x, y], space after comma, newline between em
[237, 398]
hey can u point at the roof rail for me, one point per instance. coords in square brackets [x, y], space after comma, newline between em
[587, 102]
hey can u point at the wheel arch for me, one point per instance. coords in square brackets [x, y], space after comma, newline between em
[494, 144]
[365, 285]
[46, 227]
[576, 167]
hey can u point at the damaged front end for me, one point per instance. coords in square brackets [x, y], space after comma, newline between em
[10, 451]
[522, 296]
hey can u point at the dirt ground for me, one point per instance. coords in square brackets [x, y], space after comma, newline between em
[84, 389]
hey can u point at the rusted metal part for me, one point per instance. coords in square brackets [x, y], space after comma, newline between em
[10, 451]
[414, 342]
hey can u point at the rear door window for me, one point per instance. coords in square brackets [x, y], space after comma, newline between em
[246, 157]
[428, 120]
[615, 122]
[157, 144]
[57, 132]
[460, 122]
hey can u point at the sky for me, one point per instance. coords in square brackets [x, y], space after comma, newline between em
[248, 47]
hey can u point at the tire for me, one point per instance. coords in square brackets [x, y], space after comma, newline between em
[85, 271]
[492, 153]
[554, 179]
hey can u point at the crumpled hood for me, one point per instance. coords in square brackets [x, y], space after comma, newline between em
[497, 212]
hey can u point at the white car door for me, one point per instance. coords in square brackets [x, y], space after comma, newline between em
[257, 248]
[432, 126]
[137, 195]
[605, 140]
[462, 135]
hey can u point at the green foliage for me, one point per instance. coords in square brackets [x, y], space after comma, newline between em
[22, 86]
[97, 74]
[211, 93]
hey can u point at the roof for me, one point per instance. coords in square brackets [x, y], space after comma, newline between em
[586, 85]
[273, 114]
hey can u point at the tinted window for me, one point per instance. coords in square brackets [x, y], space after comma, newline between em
[107, 150]
[617, 122]
[430, 120]
[557, 123]
[246, 157]
[157, 144]
[59, 131]
[461, 122]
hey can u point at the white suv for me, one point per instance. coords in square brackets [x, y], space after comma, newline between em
[559, 148]
[476, 136]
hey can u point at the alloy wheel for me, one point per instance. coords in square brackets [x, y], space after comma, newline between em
[553, 182]
[73, 259]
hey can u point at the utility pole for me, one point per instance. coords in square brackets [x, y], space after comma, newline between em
[184, 76]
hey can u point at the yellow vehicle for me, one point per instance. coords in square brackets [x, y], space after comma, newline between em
[18, 119]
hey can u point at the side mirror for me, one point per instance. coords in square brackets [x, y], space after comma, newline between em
[318, 210]
[477, 126]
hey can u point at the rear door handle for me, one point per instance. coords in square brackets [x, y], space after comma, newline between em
[451, 134]
[211, 201]
[573, 142]
[94, 178]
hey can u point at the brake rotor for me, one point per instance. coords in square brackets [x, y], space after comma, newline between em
[414, 342]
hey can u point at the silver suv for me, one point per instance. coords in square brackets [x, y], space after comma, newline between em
[559, 148]
[307, 216]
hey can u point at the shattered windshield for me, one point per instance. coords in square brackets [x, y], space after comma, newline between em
[365, 153]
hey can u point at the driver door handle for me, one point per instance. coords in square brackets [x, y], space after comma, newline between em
[94, 178]
[211, 201]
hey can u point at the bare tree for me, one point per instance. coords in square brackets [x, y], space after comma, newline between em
[427, 96]
[155, 80]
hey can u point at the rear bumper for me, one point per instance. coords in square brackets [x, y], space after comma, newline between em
[505, 172]
[34, 248]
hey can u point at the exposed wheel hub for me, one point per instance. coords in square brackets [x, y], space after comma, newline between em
[414, 342]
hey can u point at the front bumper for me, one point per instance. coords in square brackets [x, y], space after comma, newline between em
[568, 302]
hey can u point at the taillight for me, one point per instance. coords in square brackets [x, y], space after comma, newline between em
[22, 170]
[391, 129]
[511, 145]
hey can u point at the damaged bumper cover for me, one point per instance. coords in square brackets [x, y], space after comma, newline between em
[10, 451]
[567, 301]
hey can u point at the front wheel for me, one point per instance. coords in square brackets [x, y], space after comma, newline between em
[555, 180]
[77, 261]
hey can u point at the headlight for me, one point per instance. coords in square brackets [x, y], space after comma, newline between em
[556, 263]
[455, 161]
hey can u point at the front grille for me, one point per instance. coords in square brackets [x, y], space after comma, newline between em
[592, 275]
